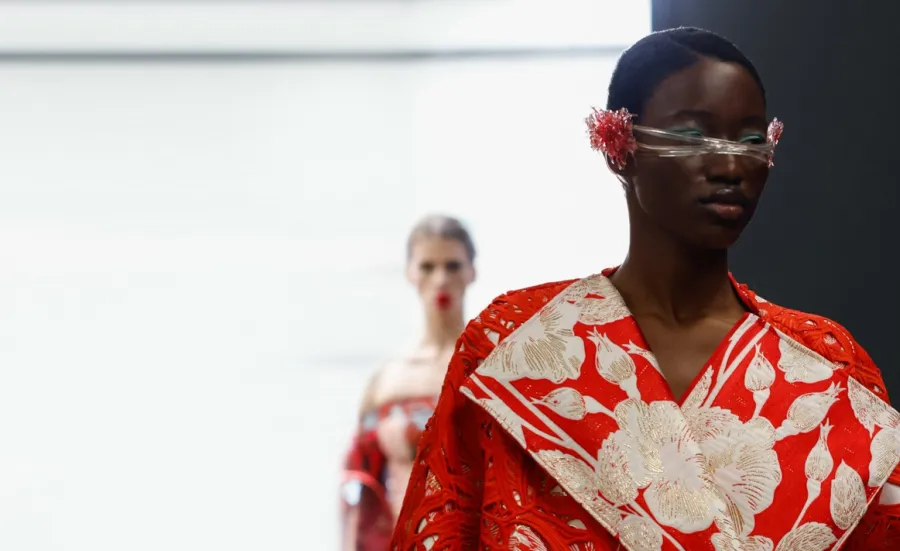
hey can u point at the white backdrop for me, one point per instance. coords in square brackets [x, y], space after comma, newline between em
[199, 265]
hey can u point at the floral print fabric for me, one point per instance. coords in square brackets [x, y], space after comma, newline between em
[557, 430]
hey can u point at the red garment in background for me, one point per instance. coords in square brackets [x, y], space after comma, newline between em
[363, 482]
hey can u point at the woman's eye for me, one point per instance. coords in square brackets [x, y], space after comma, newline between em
[755, 139]
[692, 132]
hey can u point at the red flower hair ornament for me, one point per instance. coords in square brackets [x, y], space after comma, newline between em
[613, 134]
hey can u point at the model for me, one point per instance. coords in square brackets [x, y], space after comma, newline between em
[661, 404]
[401, 396]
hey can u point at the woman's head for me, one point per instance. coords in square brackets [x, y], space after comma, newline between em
[695, 83]
[440, 258]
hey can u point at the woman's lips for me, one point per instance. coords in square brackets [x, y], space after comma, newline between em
[443, 300]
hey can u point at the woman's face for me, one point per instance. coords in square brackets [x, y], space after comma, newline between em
[704, 200]
[440, 269]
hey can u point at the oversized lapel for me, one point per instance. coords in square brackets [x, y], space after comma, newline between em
[832, 432]
[576, 388]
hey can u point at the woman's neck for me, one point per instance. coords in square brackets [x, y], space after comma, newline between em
[678, 283]
[442, 329]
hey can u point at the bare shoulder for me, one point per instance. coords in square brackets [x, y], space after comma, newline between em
[370, 393]
[415, 375]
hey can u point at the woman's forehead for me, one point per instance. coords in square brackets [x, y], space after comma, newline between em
[437, 248]
[709, 88]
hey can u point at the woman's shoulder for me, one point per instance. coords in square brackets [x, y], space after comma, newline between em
[513, 308]
[498, 320]
[524, 302]
[828, 338]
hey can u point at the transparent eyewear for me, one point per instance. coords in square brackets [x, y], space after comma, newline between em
[663, 143]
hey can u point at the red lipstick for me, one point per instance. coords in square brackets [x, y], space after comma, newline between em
[443, 300]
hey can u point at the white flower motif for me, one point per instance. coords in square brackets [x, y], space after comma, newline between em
[543, 347]
[680, 493]
[599, 300]
[812, 536]
[700, 391]
[817, 468]
[614, 364]
[581, 482]
[743, 464]
[577, 476]
[870, 410]
[620, 469]
[721, 542]
[571, 404]
[576, 291]
[758, 378]
[848, 497]
[885, 449]
[799, 364]
[638, 534]
[808, 411]
[597, 310]
[632, 348]
[566, 402]
[819, 462]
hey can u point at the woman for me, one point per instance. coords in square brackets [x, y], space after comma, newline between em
[662, 405]
[402, 394]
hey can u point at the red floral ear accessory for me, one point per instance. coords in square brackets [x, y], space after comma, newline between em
[612, 133]
[773, 134]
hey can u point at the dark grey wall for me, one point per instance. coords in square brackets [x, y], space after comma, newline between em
[825, 239]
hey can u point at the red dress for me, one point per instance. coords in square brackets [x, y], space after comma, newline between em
[365, 472]
[555, 430]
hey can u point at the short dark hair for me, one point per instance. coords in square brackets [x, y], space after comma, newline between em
[652, 59]
[446, 227]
